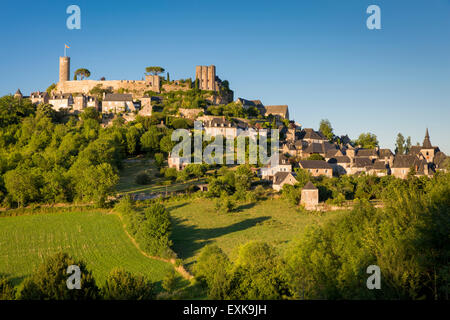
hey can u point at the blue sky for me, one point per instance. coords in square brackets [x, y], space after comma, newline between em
[316, 56]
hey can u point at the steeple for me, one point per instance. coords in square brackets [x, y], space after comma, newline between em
[426, 142]
[18, 94]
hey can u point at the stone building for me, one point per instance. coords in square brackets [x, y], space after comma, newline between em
[426, 149]
[64, 69]
[403, 164]
[310, 196]
[81, 102]
[282, 178]
[317, 167]
[268, 171]
[281, 111]
[117, 103]
[61, 101]
[206, 76]
[340, 164]
[39, 97]
[18, 94]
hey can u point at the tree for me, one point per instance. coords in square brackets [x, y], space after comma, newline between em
[170, 281]
[154, 70]
[326, 129]
[150, 140]
[22, 185]
[316, 156]
[122, 285]
[402, 146]
[51, 88]
[168, 77]
[82, 73]
[367, 140]
[211, 270]
[49, 281]
[133, 136]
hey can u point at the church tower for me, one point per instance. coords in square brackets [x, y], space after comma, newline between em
[64, 69]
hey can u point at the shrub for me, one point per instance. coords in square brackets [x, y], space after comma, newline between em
[49, 281]
[7, 290]
[122, 285]
[143, 178]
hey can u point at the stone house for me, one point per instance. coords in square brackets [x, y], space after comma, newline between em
[281, 111]
[39, 97]
[360, 164]
[404, 163]
[117, 103]
[309, 196]
[282, 178]
[379, 168]
[216, 126]
[317, 167]
[340, 164]
[268, 171]
[61, 101]
[81, 102]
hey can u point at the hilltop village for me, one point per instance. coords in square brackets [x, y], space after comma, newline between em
[300, 147]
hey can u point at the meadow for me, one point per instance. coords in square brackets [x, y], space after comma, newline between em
[196, 224]
[96, 237]
[134, 166]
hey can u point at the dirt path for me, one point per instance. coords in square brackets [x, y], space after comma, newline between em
[180, 269]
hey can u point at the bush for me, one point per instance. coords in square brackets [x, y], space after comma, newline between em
[122, 285]
[143, 178]
[170, 281]
[7, 290]
[49, 281]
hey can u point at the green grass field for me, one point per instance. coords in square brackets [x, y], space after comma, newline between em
[196, 224]
[95, 237]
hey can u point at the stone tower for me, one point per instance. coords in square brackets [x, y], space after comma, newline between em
[64, 69]
[206, 76]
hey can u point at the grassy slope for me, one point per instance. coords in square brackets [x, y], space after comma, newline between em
[133, 167]
[196, 224]
[97, 238]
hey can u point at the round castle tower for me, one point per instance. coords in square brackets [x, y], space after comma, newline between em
[64, 69]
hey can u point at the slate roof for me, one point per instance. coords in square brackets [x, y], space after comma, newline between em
[279, 177]
[363, 162]
[283, 109]
[61, 96]
[404, 161]
[339, 159]
[118, 97]
[309, 133]
[309, 186]
[366, 152]
[426, 142]
[379, 165]
[314, 164]
[385, 153]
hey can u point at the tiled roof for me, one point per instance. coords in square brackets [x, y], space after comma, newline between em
[283, 109]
